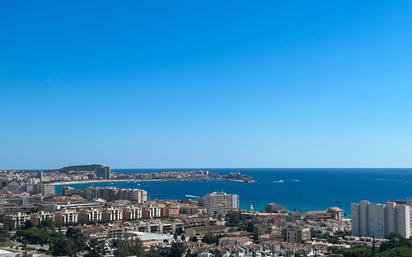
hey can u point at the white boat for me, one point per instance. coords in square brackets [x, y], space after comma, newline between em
[192, 196]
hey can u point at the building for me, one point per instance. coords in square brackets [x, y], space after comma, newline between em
[67, 216]
[91, 193]
[220, 203]
[275, 208]
[136, 195]
[103, 172]
[152, 210]
[112, 214]
[38, 217]
[114, 193]
[41, 176]
[69, 191]
[48, 189]
[170, 211]
[90, 215]
[231, 242]
[133, 212]
[17, 220]
[337, 213]
[317, 215]
[296, 234]
[380, 220]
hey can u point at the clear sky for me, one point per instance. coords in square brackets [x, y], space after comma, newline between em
[206, 83]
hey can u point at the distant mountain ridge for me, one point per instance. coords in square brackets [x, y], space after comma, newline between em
[87, 167]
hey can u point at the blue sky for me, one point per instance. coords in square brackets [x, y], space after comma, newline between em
[206, 83]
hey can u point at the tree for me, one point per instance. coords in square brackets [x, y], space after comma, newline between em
[395, 240]
[250, 226]
[332, 239]
[35, 235]
[75, 235]
[190, 254]
[193, 239]
[35, 209]
[374, 248]
[4, 234]
[95, 248]
[129, 247]
[397, 252]
[335, 250]
[28, 224]
[153, 253]
[233, 218]
[63, 247]
[47, 224]
[217, 253]
[358, 252]
[232, 229]
[210, 239]
[178, 249]
[179, 230]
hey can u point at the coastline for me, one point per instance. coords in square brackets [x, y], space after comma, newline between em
[317, 189]
[77, 182]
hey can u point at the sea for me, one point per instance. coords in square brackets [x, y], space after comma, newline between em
[296, 189]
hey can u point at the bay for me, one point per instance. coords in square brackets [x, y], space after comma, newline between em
[300, 189]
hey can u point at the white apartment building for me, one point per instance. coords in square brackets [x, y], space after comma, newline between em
[133, 212]
[112, 214]
[42, 216]
[220, 203]
[138, 195]
[67, 216]
[92, 214]
[17, 220]
[379, 220]
[152, 210]
[48, 189]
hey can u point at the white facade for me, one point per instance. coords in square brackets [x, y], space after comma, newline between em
[48, 189]
[17, 220]
[220, 203]
[153, 211]
[93, 214]
[380, 220]
[403, 221]
[390, 218]
[376, 222]
[137, 195]
[69, 216]
[112, 214]
[363, 218]
[133, 212]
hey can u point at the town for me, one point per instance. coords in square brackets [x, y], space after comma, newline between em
[109, 221]
[98, 173]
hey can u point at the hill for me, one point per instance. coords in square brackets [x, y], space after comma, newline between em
[88, 167]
